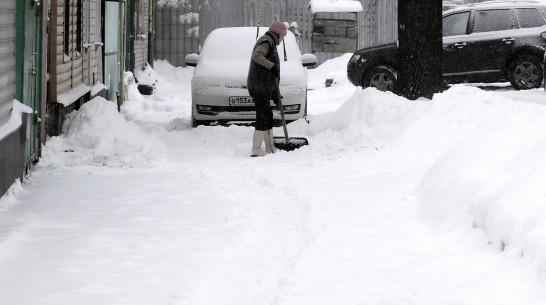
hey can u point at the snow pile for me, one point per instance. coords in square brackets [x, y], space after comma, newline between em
[369, 118]
[133, 94]
[493, 175]
[330, 69]
[171, 101]
[98, 135]
[485, 152]
[8, 198]
[146, 76]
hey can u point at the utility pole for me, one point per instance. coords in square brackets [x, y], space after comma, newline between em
[420, 48]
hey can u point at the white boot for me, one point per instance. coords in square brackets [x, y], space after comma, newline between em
[269, 144]
[257, 140]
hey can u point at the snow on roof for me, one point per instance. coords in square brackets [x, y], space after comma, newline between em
[68, 98]
[335, 6]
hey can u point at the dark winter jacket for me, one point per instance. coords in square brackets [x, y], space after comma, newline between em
[260, 80]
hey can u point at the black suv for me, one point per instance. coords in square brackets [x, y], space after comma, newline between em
[485, 42]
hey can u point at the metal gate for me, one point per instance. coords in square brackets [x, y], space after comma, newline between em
[112, 63]
[29, 57]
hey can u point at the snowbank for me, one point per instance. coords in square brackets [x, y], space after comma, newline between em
[369, 118]
[171, 101]
[484, 151]
[8, 198]
[97, 134]
[492, 176]
[330, 69]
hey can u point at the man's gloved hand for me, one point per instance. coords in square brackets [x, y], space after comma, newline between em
[276, 71]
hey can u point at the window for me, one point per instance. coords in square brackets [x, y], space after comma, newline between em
[529, 18]
[67, 27]
[493, 20]
[79, 24]
[455, 24]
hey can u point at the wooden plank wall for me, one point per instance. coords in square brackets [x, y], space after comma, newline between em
[92, 54]
[377, 24]
[67, 64]
[83, 67]
[7, 59]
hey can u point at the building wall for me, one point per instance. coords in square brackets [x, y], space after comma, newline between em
[376, 24]
[12, 157]
[79, 49]
[13, 145]
[7, 59]
[92, 43]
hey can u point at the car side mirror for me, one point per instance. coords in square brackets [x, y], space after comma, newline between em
[308, 60]
[191, 59]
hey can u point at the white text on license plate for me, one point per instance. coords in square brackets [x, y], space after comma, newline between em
[241, 101]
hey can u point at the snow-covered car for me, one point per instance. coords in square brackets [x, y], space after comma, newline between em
[219, 83]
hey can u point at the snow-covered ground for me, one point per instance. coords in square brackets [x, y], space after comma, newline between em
[394, 202]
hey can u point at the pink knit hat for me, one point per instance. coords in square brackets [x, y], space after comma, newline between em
[278, 27]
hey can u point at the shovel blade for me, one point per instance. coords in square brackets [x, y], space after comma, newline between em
[293, 143]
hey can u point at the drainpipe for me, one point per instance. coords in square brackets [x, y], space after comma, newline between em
[151, 31]
[121, 53]
[52, 92]
[45, 24]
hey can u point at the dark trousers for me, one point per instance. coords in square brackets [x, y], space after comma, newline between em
[264, 114]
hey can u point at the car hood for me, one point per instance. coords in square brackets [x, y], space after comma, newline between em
[235, 73]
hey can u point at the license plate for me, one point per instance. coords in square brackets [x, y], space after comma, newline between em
[241, 101]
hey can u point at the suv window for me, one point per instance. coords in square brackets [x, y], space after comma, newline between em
[455, 24]
[529, 18]
[493, 20]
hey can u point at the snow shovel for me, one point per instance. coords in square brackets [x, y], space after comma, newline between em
[286, 143]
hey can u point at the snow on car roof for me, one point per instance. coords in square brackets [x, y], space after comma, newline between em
[237, 44]
[336, 6]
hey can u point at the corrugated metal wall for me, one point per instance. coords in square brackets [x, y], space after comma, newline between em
[7, 59]
[176, 30]
[174, 39]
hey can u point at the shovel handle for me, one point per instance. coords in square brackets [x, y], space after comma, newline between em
[279, 101]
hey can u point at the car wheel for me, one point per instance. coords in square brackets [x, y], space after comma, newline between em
[195, 123]
[382, 78]
[526, 72]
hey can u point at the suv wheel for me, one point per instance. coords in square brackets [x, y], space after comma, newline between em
[526, 72]
[382, 78]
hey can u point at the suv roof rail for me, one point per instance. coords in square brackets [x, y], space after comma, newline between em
[505, 2]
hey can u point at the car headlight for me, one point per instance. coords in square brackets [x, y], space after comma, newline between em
[204, 108]
[291, 109]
